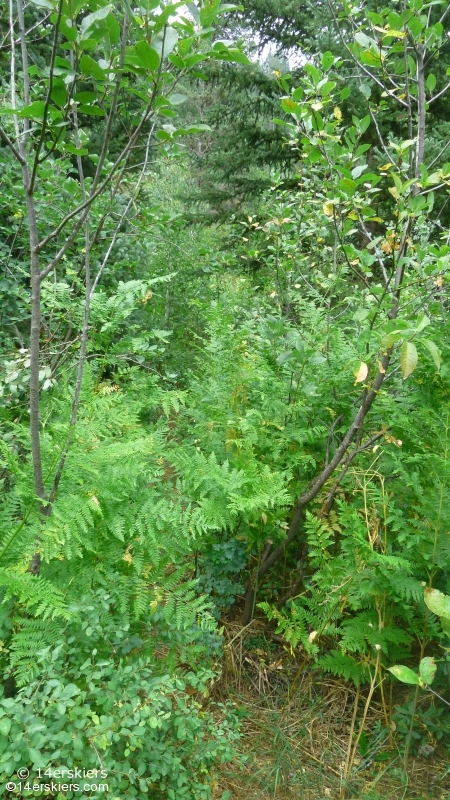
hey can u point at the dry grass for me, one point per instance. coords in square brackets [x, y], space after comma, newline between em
[296, 734]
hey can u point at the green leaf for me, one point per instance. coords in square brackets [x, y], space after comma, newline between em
[422, 323]
[327, 87]
[445, 625]
[438, 602]
[427, 670]
[75, 151]
[434, 352]
[405, 675]
[431, 82]
[327, 60]
[5, 726]
[362, 39]
[408, 359]
[93, 111]
[148, 56]
[35, 110]
[177, 99]
[91, 19]
[85, 97]
[44, 4]
[165, 41]
[90, 67]
[68, 29]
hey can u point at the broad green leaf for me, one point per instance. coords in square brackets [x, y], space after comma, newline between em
[438, 602]
[90, 67]
[408, 359]
[193, 10]
[327, 87]
[327, 60]
[405, 675]
[209, 12]
[431, 82]
[177, 99]
[5, 726]
[362, 39]
[148, 56]
[85, 97]
[93, 111]
[422, 323]
[445, 625]
[165, 41]
[370, 59]
[361, 314]
[427, 670]
[68, 29]
[44, 4]
[434, 352]
[91, 19]
[35, 110]
[236, 56]
[76, 151]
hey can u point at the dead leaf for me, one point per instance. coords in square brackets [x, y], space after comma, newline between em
[361, 373]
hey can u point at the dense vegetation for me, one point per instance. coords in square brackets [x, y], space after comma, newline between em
[224, 393]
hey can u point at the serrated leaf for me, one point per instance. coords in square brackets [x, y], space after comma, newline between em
[405, 675]
[408, 359]
[438, 602]
[427, 670]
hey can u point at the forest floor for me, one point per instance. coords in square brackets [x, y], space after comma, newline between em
[296, 730]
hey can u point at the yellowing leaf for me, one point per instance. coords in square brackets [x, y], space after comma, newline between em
[408, 359]
[327, 209]
[361, 373]
[386, 166]
[394, 192]
[395, 34]
[338, 113]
